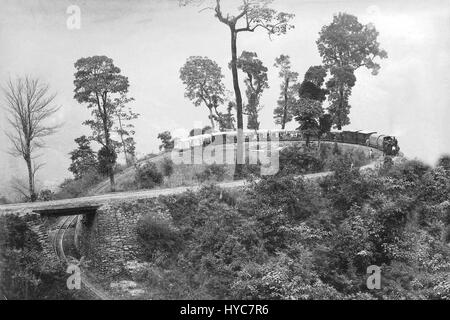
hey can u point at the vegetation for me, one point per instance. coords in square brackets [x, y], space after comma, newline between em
[25, 272]
[346, 45]
[255, 82]
[83, 158]
[97, 82]
[148, 176]
[285, 238]
[284, 112]
[74, 188]
[203, 80]
[252, 15]
[167, 142]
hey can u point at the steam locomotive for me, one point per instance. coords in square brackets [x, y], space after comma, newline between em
[385, 143]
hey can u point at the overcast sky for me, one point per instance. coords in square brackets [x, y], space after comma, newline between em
[150, 41]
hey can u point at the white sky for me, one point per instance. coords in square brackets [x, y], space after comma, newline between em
[150, 41]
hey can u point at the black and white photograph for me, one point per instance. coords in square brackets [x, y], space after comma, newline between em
[227, 154]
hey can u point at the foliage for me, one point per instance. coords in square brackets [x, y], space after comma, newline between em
[106, 160]
[167, 142]
[285, 238]
[346, 45]
[308, 110]
[296, 160]
[73, 188]
[167, 166]
[213, 171]
[256, 82]
[226, 120]
[311, 87]
[148, 176]
[27, 274]
[308, 113]
[156, 232]
[252, 15]
[97, 83]
[46, 195]
[83, 158]
[283, 112]
[203, 80]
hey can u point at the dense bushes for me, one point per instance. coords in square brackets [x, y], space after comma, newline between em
[25, 272]
[156, 232]
[297, 160]
[285, 238]
[148, 176]
[73, 188]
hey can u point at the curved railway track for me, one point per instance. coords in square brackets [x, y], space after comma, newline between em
[58, 247]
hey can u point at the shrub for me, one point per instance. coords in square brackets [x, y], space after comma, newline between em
[214, 172]
[167, 167]
[156, 232]
[296, 160]
[73, 188]
[26, 273]
[46, 195]
[148, 176]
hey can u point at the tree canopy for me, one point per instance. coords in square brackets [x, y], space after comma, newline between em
[97, 82]
[255, 82]
[346, 45]
[203, 80]
[284, 112]
[83, 158]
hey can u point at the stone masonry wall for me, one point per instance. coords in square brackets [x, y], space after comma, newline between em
[108, 239]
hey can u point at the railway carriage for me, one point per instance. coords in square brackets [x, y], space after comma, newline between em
[385, 143]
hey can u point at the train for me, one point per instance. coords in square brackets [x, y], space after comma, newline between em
[386, 143]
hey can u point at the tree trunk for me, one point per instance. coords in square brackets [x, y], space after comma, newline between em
[108, 145]
[33, 197]
[341, 103]
[283, 124]
[237, 92]
[213, 126]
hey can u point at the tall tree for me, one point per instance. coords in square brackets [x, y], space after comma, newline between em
[255, 82]
[308, 111]
[251, 15]
[283, 113]
[203, 80]
[346, 45]
[340, 88]
[83, 158]
[97, 82]
[30, 107]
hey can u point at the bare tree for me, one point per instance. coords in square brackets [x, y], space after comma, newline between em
[29, 105]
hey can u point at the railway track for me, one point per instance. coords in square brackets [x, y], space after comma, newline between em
[58, 247]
